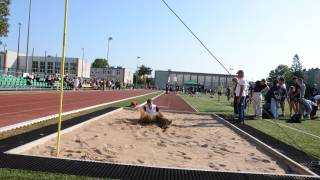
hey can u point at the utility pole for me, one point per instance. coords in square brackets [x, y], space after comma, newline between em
[82, 63]
[28, 37]
[18, 53]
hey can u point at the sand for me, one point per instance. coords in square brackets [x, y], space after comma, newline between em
[192, 141]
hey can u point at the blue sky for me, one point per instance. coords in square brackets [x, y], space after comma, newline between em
[254, 35]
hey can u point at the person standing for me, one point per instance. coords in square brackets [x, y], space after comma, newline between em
[296, 95]
[283, 94]
[220, 91]
[76, 83]
[233, 93]
[274, 99]
[241, 90]
[290, 99]
[302, 95]
[257, 100]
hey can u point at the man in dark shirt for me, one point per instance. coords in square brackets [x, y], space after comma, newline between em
[282, 94]
[296, 95]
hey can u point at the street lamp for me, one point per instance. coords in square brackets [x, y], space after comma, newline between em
[28, 37]
[18, 56]
[82, 63]
[109, 39]
[138, 57]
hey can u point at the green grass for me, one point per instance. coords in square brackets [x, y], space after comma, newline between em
[18, 174]
[29, 175]
[309, 144]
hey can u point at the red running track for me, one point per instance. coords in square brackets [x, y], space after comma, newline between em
[16, 108]
[172, 102]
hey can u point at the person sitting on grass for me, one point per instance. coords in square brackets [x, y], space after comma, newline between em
[150, 114]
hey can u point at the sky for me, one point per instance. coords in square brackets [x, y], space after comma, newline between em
[253, 35]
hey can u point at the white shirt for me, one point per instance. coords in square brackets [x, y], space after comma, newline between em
[76, 82]
[242, 82]
[153, 108]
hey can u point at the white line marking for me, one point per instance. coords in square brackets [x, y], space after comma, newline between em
[271, 121]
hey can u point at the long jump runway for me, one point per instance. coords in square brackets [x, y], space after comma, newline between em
[17, 108]
[172, 102]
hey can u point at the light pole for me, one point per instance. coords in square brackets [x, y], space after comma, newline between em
[18, 52]
[82, 63]
[138, 57]
[109, 39]
[28, 37]
[4, 46]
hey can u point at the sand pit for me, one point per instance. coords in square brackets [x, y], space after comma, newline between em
[192, 141]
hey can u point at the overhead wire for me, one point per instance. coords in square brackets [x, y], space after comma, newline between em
[194, 35]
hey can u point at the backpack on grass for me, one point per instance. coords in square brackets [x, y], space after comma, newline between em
[295, 119]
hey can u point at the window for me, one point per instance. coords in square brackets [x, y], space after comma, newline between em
[66, 68]
[50, 68]
[73, 68]
[57, 67]
[118, 72]
[109, 72]
[42, 66]
[34, 66]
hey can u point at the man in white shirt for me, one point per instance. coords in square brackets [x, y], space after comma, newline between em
[150, 113]
[241, 90]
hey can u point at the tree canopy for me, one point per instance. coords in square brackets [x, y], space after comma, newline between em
[4, 13]
[144, 70]
[296, 66]
[286, 72]
[280, 71]
[100, 63]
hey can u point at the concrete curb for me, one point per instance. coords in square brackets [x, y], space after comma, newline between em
[33, 121]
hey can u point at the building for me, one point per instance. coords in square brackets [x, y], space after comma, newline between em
[43, 65]
[177, 78]
[312, 77]
[124, 75]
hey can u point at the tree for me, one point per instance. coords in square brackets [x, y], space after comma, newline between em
[100, 63]
[280, 71]
[144, 70]
[4, 13]
[296, 66]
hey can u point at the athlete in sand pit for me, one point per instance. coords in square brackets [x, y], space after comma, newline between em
[150, 113]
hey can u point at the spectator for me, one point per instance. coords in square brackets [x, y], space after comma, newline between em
[257, 100]
[265, 87]
[76, 83]
[296, 95]
[311, 108]
[219, 90]
[228, 93]
[241, 95]
[290, 99]
[302, 95]
[233, 93]
[283, 94]
[274, 99]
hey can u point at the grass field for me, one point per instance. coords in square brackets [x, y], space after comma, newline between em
[304, 136]
[18, 174]
[28, 175]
